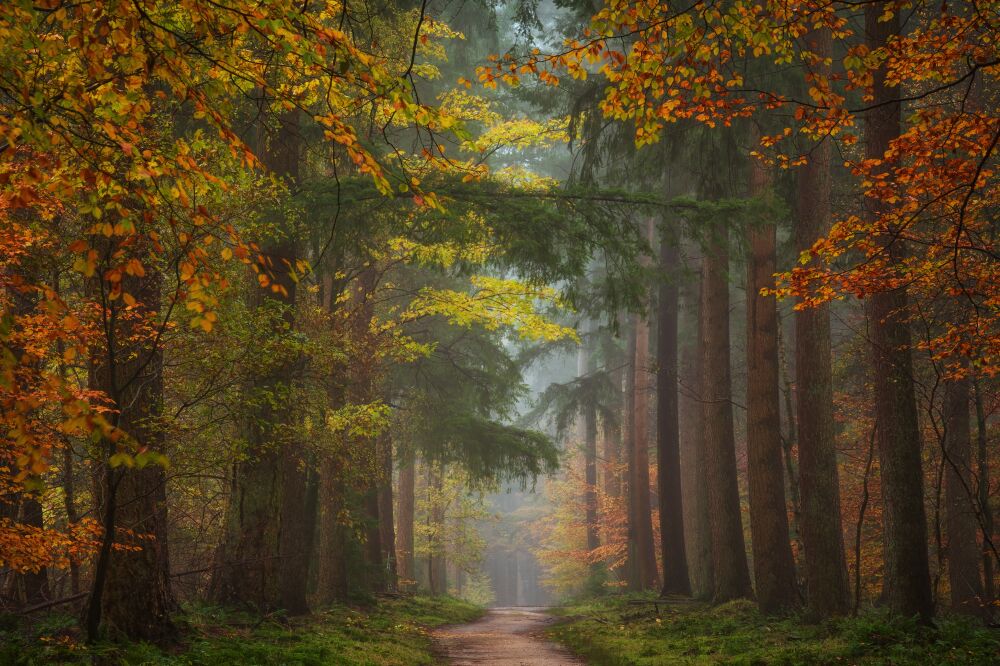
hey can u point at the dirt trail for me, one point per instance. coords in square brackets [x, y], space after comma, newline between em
[503, 637]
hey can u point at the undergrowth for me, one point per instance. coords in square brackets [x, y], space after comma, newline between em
[628, 631]
[390, 633]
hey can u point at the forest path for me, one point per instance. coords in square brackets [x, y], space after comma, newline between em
[503, 637]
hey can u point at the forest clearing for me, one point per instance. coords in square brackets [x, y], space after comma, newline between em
[527, 332]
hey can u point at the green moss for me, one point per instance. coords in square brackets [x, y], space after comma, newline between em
[627, 631]
[391, 633]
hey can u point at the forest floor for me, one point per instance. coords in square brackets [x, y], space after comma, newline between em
[503, 637]
[628, 630]
[394, 632]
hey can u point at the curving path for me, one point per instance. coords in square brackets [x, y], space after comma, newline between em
[503, 637]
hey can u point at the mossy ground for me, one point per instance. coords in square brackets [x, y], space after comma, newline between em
[611, 631]
[390, 633]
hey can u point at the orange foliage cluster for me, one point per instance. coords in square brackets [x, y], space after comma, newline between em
[24, 548]
[562, 532]
[96, 185]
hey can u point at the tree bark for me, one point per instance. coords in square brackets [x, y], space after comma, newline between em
[130, 592]
[404, 535]
[643, 571]
[263, 554]
[632, 578]
[697, 530]
[907, 578]
[374, 565]
[585, 368]
[962, 549]
[613, 431]
[331, 556]
[773, 563]
[331, 532]
[731, 575]
[437, 570]
[668, 472]
[34, 584]
[983, 490]
[590, 474]
[387, 520]
[819, 486]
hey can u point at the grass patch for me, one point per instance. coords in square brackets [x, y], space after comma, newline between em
[390, 633]
[611, 632]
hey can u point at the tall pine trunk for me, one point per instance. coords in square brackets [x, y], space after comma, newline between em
[437, 570]
[263, 554]
[643, 574]
[375, 578]
[585, 368]
[731, 575]
[668, 472]
[404, 517]
[819, 486]
[773, 563]
[590, 474]
[906, 582]
[331, 546]
[697, 530]
[612, 430]
[388, 576]
[960, 509]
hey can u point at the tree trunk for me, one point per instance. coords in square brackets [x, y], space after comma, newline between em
[404, 535]
[962, 548]
[331, 537]
[590, 473]
[730, 572]
[585, 371]
[773, 563]
[628, 438]
[262, 557]
[387, 520]
[72, 517]
[437, 570]
[331, 563]
[788, 441]
[907, 577]
[131, 592]
[613, 431]
[374, 565]
[644, 574]
[983, 490]
[819, 485]
[697, 529]
[668, 472]
[34, 584]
